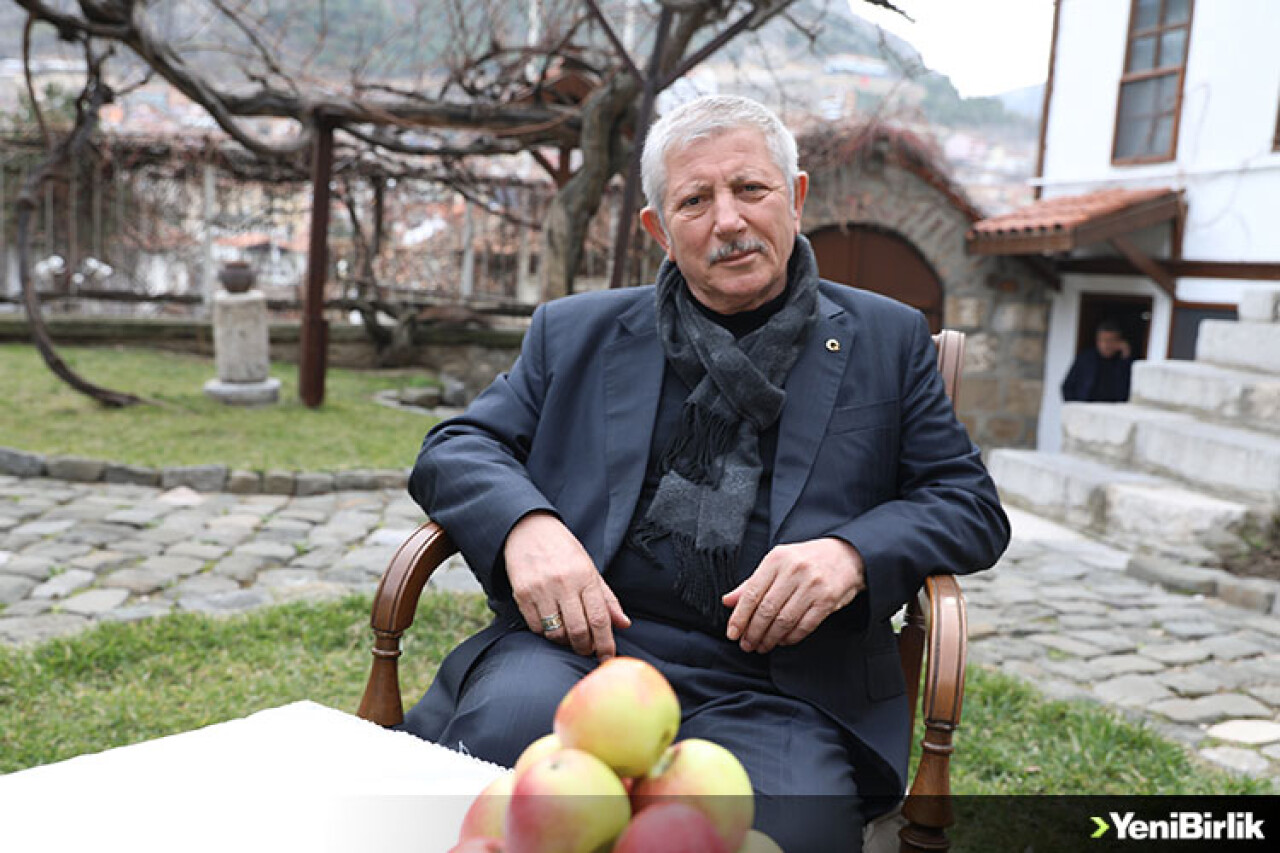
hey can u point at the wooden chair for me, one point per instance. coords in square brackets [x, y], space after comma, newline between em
[934, 633]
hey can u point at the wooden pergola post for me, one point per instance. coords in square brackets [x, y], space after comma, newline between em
[315, 329]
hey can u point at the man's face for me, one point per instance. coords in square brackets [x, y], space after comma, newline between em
[730, 222]
[1109, 343]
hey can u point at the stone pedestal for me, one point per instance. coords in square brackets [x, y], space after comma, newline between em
[242, 351]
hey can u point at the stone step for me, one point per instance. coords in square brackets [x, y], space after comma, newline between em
[1260, 305]
[1238, 397]
[1252, 346]
[1065, 488]
[1136, 511]
[1227, 461]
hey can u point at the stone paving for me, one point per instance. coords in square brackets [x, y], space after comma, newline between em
[1061, 610]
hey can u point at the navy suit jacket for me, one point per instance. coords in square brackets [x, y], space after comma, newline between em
[869, 450]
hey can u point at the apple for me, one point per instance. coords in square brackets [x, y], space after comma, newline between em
[567, 802]
[540, 748]
[758, 842]
[488, 812]
[671, 828]
[478, 845]
[623, 712]
[706, 776]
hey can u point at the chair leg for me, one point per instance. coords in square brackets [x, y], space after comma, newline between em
[382, 703]
[929, 815]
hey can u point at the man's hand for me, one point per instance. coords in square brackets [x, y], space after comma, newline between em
[551, 573]
[793, 589]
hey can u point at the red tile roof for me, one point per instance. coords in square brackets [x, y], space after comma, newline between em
[1063, 223]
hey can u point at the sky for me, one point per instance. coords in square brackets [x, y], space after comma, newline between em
[985, 46]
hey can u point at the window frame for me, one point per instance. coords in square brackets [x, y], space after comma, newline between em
[1129, 77]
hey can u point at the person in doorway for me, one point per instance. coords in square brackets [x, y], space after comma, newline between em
[738, 474]
[1100, 374]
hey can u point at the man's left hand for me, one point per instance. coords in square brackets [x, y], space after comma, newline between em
[793, 589]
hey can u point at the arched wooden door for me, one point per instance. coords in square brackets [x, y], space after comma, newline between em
[880, 261]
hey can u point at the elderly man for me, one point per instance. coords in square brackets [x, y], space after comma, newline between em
[738, 474]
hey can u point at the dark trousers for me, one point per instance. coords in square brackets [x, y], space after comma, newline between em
[806, 798]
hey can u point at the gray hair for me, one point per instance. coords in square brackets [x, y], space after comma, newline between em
[707, 117]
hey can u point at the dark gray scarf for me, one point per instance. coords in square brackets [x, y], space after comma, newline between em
[711, 468]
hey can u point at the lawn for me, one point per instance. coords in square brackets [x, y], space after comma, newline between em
[122, 683]
[182, 426]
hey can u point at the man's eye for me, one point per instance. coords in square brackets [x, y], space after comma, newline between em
[691, 201]
[754, 189]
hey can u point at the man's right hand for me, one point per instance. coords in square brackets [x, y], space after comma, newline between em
[551, 573]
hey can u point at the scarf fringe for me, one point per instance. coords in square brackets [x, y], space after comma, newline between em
[703, 575]
[702, 438]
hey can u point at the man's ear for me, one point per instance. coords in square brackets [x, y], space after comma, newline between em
[649, 219]
[801, 193]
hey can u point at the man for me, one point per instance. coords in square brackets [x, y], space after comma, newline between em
[738, 474]
[1100, 374]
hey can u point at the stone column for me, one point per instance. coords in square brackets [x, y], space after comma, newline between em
[241, 350]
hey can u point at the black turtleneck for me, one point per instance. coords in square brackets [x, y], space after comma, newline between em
[745, 322]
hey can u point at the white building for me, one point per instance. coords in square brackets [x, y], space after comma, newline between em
[1160, 174]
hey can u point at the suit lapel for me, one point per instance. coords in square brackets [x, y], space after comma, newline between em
[812, 387]
[633, 365]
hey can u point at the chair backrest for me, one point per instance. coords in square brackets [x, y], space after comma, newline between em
[950, 344]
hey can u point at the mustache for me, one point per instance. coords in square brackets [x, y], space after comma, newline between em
[737, 247]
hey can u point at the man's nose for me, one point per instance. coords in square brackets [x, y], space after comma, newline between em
[728, 217]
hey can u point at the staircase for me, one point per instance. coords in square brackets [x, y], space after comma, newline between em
[1190, 467]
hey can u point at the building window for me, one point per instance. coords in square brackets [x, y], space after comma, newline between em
[1151, 89]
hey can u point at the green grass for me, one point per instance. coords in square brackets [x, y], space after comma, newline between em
[123, 683]
[1013, 740]
[182, 426]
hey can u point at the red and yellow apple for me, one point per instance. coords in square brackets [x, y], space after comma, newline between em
[567, 802]
[487, 815]
[478, 845]
[671, 828]
[540, 748]
[623, 712]
[706, 776]
[758, 842]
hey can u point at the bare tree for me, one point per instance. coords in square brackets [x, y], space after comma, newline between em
[491, 86]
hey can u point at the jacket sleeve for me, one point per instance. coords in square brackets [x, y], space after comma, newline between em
[1079, 381]
[470, 475]
[946, 516]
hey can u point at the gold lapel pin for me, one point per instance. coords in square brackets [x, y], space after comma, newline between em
[833, 345]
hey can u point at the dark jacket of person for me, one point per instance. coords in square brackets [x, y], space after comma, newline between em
[1094, 379]
[869, 450]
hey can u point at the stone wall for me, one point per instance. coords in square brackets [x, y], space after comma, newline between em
[1001, 304]
[472, 356]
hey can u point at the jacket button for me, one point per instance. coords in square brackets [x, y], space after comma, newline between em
[833, 345]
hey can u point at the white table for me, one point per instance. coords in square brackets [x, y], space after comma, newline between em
[302, 777]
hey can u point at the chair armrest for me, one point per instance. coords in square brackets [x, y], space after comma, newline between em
[394, 606]
[948, 637]
[940, 607]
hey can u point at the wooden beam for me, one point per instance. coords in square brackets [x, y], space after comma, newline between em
[1147, 264]
[313, 348]
[1178, 268]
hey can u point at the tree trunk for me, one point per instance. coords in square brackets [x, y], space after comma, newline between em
[603, 153]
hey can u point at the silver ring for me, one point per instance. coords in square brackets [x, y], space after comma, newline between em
[552, 623]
